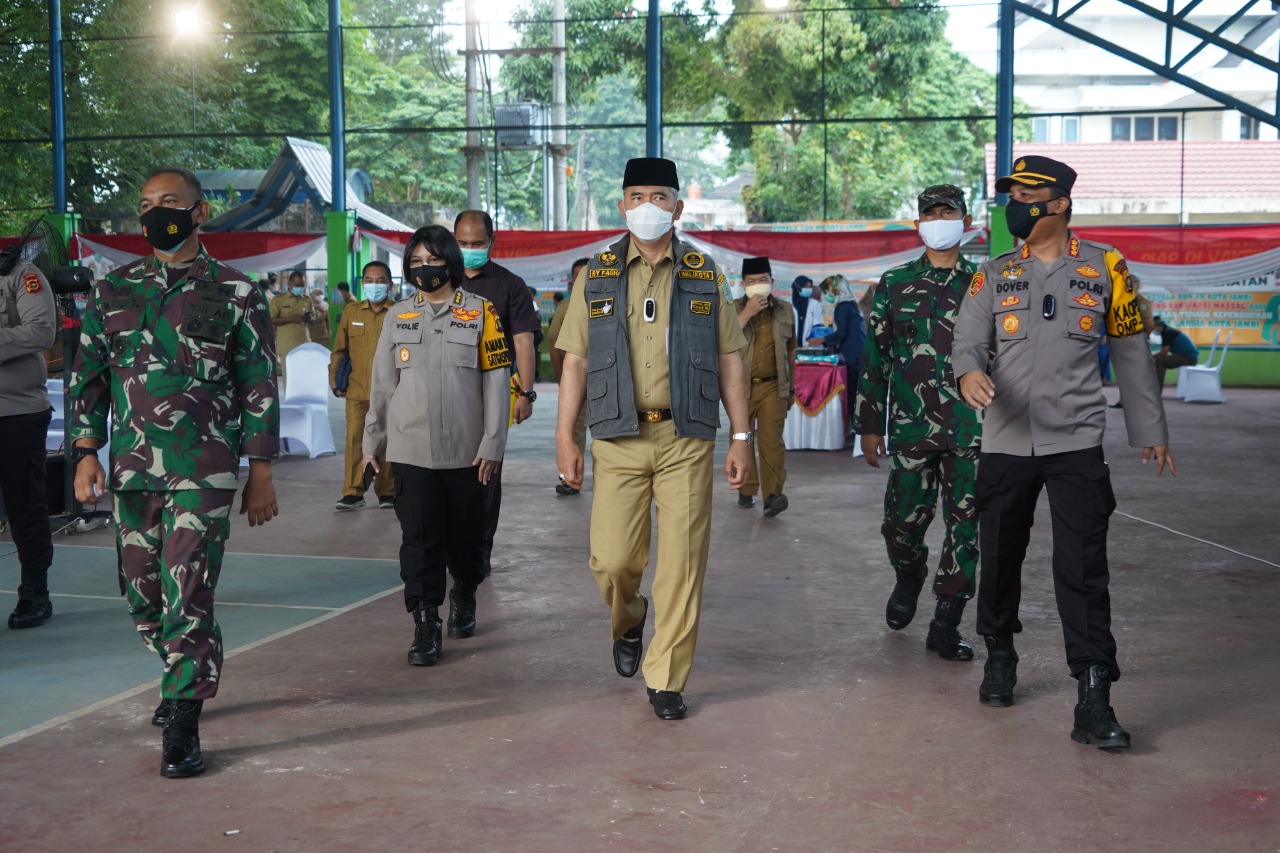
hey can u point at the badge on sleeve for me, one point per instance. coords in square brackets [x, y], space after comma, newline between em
[32, 282]
[979, 279]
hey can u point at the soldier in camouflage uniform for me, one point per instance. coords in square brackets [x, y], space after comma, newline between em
[933, 434]
[177, 347]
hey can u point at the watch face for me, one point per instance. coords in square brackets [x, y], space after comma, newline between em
[530, 395]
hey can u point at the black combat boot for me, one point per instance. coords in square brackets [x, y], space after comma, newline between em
[901, 608]
[425, 650]
[462, 613]
[182, 740]
[1000, 673]
[1095, 719]
[33, 610]
[944, 631]
[161, 714]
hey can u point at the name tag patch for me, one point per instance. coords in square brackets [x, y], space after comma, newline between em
[704, 275]
[604, 273]
[600, 307]
[699, 307]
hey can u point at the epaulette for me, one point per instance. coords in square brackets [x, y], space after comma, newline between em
[1101, 246]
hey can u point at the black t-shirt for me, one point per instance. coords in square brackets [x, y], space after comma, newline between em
[510, 297]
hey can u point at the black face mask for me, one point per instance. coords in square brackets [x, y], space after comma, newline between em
[167, 228]
[1022, 216]
[429, 277]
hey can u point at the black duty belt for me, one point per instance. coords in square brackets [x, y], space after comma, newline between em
[764, 379]
[654, 416]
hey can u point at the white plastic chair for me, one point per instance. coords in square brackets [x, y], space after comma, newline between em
[304, 411]
[1182, 371]
[1204, 381]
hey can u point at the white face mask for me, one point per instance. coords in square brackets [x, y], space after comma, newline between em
[759, 289]
[648, 221]
[939, 234]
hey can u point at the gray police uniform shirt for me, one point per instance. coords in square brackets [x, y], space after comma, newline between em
[28, 327]
[1048, 388]
[440, 391]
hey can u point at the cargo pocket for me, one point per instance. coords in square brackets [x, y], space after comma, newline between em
[705, 394]
[602, 386]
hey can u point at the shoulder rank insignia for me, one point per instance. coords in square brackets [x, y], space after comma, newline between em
[1010, 300]
[32, 282]
[1087, 271]
[420, 299]
[409, 315]
[608, 258]
[979, 279]
[1086, 300]
[1024, 252]
[1074, 250]
[457, 297]
[693, 260]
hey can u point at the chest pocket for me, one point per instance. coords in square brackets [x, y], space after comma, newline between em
[123, 330]
[204, 336]
[1011, 323]
[912, 322]
[1085, 322]
[461, 343]
[406, 339]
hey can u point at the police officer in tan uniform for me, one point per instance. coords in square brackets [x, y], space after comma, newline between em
[357, 339]
[769, 361]
[651, 345]
[1026, 353]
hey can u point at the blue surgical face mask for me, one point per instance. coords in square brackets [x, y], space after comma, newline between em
[375, 292]
[296, 291]
[474, 259]
[806, 292]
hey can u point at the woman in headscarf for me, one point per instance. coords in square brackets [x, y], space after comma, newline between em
[851, 331]
[808, 307]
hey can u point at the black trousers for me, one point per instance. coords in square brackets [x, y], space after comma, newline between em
[441, 514]
[22, 484]
[1080, 503]
[492, 506]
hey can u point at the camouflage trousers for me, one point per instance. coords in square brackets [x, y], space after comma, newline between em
[170, 546]
[909, 502]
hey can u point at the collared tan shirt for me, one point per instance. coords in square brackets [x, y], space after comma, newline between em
[439, 397]
[650, 369]
[357, 336]
[290, 335]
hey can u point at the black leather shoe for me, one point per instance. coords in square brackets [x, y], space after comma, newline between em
[161, 714]
[944, 631]
[425, 650]
[181, 756]
[901, 608]
[462, 614]
[33, 608]
[1096, 723]
[629, 648]
[667, 704]
[775, 504]
[1000, 673]
[566, 490]
[746, 501]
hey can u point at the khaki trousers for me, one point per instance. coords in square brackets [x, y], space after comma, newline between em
[384, 485]
[630, 475]
[766, 416]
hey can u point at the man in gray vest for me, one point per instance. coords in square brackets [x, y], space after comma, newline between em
[652, 347]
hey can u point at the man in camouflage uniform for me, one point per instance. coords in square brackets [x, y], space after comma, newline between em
[177, 347]
[933, 434]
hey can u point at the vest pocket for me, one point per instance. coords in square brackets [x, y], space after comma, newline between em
[704, 399]
[602, 386]
[1084, 322]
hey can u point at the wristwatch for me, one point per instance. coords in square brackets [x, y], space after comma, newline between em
[78, 453]
[529, 395]
[748, 437]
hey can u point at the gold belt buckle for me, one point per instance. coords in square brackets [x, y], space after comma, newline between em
[651, 416]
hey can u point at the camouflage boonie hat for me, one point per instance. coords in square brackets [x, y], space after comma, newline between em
[948, 194]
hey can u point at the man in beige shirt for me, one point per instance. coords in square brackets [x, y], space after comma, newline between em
[290, 315]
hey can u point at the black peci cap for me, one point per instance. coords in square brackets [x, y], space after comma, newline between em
[650, 172]
[1034, 171]
[756, 266]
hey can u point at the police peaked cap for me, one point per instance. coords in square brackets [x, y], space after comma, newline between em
[650, 172]
[756, 266]
[1034, 171]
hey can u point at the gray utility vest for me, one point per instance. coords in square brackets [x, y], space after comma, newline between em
[693, 351]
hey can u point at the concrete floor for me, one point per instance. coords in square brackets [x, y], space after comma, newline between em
[811, 727]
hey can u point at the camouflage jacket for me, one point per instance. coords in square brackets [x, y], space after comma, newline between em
[187, 371]
[907, 361]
